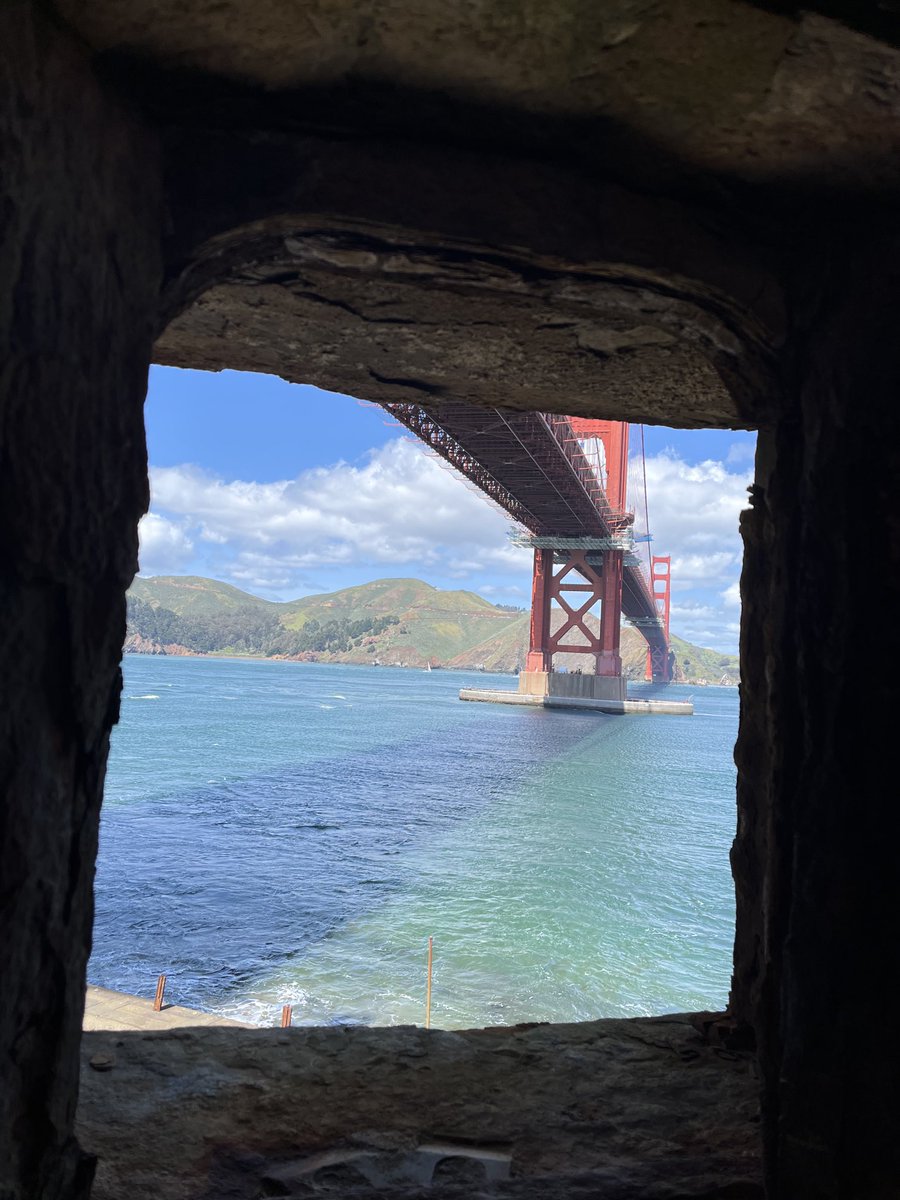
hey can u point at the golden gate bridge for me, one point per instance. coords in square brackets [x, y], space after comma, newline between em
[564, 481]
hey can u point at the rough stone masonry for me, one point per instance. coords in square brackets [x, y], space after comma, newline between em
[681, 211]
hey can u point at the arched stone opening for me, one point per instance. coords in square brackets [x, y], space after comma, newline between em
[694, 288]
[437, 294]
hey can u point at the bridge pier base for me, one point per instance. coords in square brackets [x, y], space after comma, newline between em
[588, 687]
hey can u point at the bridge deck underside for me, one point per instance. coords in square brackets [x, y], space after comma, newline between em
[536, 473]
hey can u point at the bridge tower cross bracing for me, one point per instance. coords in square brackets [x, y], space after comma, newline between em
[577, 577]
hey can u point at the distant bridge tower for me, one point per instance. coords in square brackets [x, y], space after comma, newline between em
[577, 573]
[659, 658]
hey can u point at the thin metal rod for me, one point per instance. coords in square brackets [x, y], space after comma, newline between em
[428, 986]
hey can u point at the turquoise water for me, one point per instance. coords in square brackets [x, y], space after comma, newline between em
[292, 833]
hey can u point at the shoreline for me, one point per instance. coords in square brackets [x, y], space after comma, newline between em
[319, 662]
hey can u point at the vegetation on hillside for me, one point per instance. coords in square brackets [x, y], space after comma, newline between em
[390, 621]
[695, 662]
[248, 630]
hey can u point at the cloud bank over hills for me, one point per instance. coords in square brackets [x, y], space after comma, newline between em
[402, 510]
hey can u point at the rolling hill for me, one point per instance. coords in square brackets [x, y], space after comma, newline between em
[191, 595]
[389, 622]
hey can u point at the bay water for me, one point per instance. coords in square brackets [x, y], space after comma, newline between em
[278, 832]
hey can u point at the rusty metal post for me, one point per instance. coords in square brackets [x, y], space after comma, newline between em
[160, 992]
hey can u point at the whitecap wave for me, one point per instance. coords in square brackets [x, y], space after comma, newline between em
[265, 1012]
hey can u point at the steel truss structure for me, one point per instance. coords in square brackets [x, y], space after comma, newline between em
[541, 469]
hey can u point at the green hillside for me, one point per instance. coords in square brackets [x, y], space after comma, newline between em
[389, 622]
[698, 663]
[191, 595]
[396, 596]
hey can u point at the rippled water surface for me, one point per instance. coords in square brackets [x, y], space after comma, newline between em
[291, 833]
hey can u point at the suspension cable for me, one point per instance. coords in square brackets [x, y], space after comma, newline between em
[646, 507]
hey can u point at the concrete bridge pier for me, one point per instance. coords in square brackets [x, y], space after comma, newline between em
[586, 687]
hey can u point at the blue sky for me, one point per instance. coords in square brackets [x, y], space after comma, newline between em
[284, 490]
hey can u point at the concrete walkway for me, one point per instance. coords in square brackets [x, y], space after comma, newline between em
[118, 1011]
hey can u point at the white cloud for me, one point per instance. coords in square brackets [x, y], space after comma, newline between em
[402, 508]
[694, 514]
[404, 512]
[695, 568]
[164, 545]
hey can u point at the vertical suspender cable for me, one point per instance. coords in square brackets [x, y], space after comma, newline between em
[646, 507]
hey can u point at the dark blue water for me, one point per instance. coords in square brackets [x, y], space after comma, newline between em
[292, 833]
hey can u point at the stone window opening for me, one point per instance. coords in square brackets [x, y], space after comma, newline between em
[701, 235]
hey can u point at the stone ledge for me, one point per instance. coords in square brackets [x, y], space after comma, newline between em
[106, 1010]
[623, 1109]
